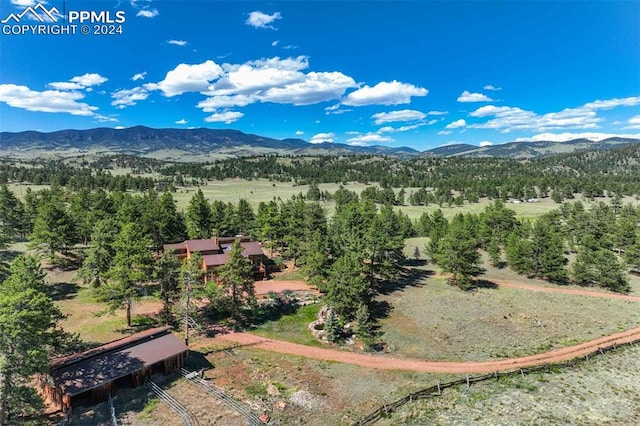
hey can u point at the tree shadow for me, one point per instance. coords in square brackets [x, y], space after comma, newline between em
[379, 309]
[415, 263]
[479, 271]
[406, 278]
[197, 361]
[62, 291]
[483, 284]
[9, 255]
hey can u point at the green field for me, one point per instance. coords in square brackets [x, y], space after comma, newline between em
[256, 191]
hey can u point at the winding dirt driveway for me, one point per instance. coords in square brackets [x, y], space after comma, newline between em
[382, 362]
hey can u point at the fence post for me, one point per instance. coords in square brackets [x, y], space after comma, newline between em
[439, 390]
[522, 372]
[601, 351]
[495, 373]
[468, 384]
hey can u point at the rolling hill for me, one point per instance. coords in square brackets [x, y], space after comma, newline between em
[206, 144]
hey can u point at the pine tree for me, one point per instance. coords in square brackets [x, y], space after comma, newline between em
[364, 331]
[29, 335]
[101, 253]
[332, 327]
[52, 229]
[601, 268]
[519, 251]
[236, 277]
[548, 260]
[245, 217]
[167, 272]
[199, 217]
[416, 253]
[132, 266]
[347, 286]
[493, 249]
[457, 254]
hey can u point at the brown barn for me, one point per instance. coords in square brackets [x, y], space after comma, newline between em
[93, 375]
[214, 252]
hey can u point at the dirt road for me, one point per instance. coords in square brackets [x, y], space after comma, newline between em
[278, 286]
[383, 362]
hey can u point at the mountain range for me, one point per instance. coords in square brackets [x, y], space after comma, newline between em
[206, 144]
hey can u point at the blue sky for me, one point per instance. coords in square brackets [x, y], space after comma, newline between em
[410, 73]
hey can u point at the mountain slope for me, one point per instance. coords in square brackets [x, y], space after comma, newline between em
[206, 144]
[146, 141]
[523, 150]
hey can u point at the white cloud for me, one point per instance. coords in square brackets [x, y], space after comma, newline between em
[257, 76]
[119, 127]
[128, 97]
[178, 42]
[316, 87]
[139, 76]
[335, 109]
[225, 101]
[363, 140]
[299, 133]
[290, 47]
[384, 93]
[493, 88]
[46, 101]
[389, 129]
[613, 103]
[182, 121]
[258, 19]
[226, 117]
[323, 138]
[275, 43]
[187, 78]
[634, 122]
[467, 96]
[438, 113]
[507, 119]
[456, 124]
[65, 85]
[399, 115]
[23, 3]
[486, 143]
[79, 82]
[563, 137]
[148, 13]
[91, 79]
[298, 63]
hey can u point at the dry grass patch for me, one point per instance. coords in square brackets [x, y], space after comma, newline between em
[603, 390]
[439, 322]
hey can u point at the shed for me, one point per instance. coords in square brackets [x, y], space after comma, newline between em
[93, 375]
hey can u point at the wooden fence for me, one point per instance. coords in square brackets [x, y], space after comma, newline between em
[436, 390]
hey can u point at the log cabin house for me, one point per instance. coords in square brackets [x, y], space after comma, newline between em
[90, 377]
[214, 252]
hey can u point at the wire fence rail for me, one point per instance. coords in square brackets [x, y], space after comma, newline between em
[436, 390]
[187, 418]
[237, 406]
